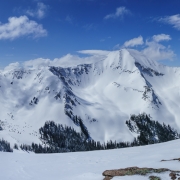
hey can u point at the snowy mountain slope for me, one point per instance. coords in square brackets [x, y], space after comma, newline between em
[89, 165]
[103, 94]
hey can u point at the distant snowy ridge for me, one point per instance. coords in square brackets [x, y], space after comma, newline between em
[104, 94]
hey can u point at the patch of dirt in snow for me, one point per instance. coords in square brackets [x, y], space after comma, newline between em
[130, 171]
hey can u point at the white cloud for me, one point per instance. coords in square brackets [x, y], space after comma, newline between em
[94, 52]
[39, 12]
[161, 37]
[173, 20]
[12, 66]
[117, 47]
[21, 26]
[157, 51]
[120, 12]
[67, 60]
[152, 48]
[39, 62]
[134, 42]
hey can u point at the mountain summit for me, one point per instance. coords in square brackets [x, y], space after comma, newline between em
[104, 94]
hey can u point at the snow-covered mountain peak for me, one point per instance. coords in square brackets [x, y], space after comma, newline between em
[128, 59]
[103, 93]
[140, 58]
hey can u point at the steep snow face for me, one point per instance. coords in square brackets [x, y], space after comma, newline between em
[103, 94]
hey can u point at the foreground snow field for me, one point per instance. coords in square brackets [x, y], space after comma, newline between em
[88, 165]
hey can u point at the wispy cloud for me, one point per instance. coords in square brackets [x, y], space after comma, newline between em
[134, 42]
[173, 20]
[39, 12]
[91, 56]
[152, 47]
[105, 39]
[12, 66]
[21, 26]
[120, 12]
[157, 51]
[161, 37]
[90, 26]
[117, 47]
[69, 19]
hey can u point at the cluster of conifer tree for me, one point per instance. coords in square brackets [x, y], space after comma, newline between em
[5, 146]
[57, 138]
[150, 131]
[79, 122]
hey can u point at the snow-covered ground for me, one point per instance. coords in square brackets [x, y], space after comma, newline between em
[88, 165]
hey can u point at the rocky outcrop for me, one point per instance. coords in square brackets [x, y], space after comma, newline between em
[130, 171]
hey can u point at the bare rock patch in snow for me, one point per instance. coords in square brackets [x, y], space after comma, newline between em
[131, 171]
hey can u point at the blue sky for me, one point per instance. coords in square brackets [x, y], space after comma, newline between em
[32, 29]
